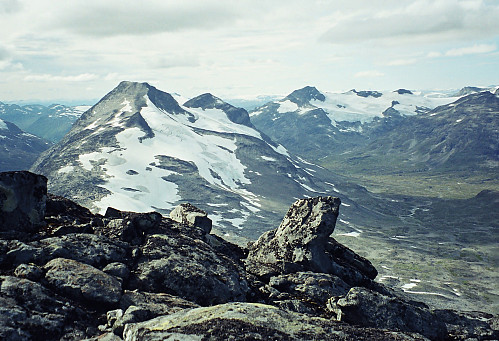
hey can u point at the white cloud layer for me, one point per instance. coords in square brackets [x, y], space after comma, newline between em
[475, 49]
[82, 49]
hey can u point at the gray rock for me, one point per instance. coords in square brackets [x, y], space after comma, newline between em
[157, 303]
[105, 337]
[21, 253]
[29, 271]
[189, 268]
[190, 214]
[82, 282]
[129, 226]
[471, 325]
[315, 287]
[117, 269]
[367, 308]
[302, 243]
[250, 321]
[23, 198]
[31, 309]
[86, 248]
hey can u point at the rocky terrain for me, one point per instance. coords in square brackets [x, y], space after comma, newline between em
[18, 149]
[66, 273]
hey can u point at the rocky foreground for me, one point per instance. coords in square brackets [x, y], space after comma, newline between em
[68, 274]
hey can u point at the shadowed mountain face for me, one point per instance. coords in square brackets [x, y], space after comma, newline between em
[49, 122]
[18, 149]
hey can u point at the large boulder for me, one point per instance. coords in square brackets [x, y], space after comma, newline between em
[82, 282]
[302, 243]
[23, 198]
[188, 267]
[30, 311]
[250, 321]
[368, 308]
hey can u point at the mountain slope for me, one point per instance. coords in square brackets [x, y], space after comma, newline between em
[139, 149]
[18, 149]
[463, 135]
[50, 123]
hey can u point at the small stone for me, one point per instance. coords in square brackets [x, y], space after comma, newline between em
[117, 269]
[191, 215]
[29, 271]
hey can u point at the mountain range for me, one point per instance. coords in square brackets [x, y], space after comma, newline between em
[143, 149]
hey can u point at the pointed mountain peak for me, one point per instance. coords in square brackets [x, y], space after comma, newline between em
[305, 95]
[208, 101]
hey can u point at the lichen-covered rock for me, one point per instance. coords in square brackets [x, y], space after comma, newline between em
[189, 268]
[81, 281]
[315, 287]
[117, 269]
[367, 308]
[250, 321]
[128, 226]
[302, 243]
[29, 311]
[29, 271]
[157, 303]
[190, 214]
[86, 248]
[23, 198]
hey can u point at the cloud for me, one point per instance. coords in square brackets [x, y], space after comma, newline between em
[475, 49]
[10, 6]
[408, 20]
[84, 77]
[112, 18]
[402, 62]
[171, 61]
[369, 74]
[434, 54]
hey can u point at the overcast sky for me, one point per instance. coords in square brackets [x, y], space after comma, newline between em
[53, 50]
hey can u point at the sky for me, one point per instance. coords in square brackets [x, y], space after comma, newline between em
[77, 51]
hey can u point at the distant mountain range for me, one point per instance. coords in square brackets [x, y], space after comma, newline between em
[49, 122]
[402, 130]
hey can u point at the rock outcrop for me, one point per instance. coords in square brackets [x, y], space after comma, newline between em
[142, 276]
[302, 242]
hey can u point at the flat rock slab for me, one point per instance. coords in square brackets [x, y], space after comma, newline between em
[250, 321]
[81, 281]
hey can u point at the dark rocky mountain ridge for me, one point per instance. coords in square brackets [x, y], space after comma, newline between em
[18, 149]
[66, 273]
